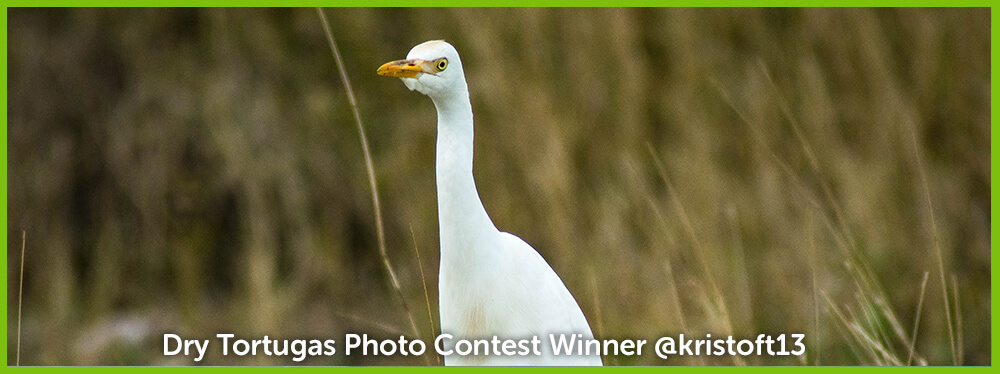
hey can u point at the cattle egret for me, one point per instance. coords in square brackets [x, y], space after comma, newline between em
[491, 283]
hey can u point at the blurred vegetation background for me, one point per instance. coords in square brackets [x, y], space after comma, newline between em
[723, 171]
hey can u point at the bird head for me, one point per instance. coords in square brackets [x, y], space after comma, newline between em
[431, 68]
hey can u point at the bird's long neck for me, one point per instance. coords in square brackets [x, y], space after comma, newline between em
[461, 214]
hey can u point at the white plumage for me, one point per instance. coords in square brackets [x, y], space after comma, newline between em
[491, 283]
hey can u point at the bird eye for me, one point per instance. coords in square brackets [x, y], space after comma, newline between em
[441, 64]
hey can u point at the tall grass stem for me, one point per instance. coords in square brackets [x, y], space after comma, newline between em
[423, 282]
[916, 319]
[371, 172]
[20, 297]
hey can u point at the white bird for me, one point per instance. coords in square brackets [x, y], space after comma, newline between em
[491, 283]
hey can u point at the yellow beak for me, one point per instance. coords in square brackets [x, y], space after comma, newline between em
[402, 68]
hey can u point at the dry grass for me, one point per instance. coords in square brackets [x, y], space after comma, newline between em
[746, 171]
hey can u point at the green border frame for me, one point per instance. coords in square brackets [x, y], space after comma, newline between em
[994, 80]
[498, 3]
